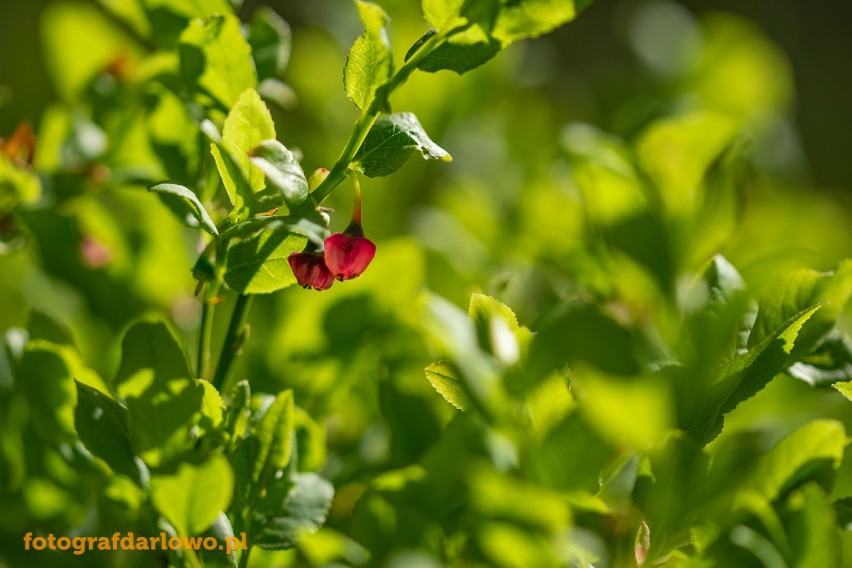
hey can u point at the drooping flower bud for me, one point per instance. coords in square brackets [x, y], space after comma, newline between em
[310, 270]
[348, 254]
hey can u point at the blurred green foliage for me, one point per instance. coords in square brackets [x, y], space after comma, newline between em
[635, 323]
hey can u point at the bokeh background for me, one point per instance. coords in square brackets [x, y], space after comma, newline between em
[505, 217]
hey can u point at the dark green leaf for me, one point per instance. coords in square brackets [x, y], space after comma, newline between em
[267, 449]
[461, 53]
[302, 510]
[270, 38]
[43, 326]
[581, 333]
[571, 457]
[45, 378]
[221, 530]
[829, 363]
[369, 64]
[101, 423]
[178, 198]
[392, 140]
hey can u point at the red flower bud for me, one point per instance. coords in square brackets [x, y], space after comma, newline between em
[348, 255]
[310, 270]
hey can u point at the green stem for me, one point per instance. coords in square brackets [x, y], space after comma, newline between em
[244, 557]
[234, 340]
[207, 308]
[368, 117]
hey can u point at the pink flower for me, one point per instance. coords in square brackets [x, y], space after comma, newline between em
[310, 270]
[348, 254]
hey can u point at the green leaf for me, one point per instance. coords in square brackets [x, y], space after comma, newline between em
[455, 338]
[813, 452]
[462, 52]
[812, 528]
[270, 39]
[42, 326]
[222, 531]
[795, 290]
[444, 380]
[744, 377]
[677, 152]
[45, 378]
[284, 174]
[571, 457]
[580, 333]
[215, 56]
[447, 14]
[237, 415]
[267, 449]
[178, 198]
[392, 140]
[369, 64]
[258, 265]
[17, 186]
[165, 405]
[78, 43]
[150, 347]
[830, 362]
[101, 423]
[477, 30]
[303, 509]
[497, 329]
[275, 433]
[193, 497]
[845, 388]
[531, 18]
[247, 125]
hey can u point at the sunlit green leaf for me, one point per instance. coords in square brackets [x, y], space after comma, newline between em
[179, 196]
[845, 388]
[193, 497]
[443, 379]
[531, 18]
[258, 265]
[216, 57]
[744, 376]
[369, 64]
[813, 452]
[286, 180]
[247, 125]
[797, 289]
